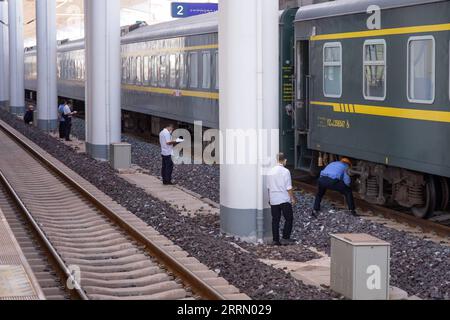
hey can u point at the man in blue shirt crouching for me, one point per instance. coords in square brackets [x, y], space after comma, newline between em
[335, 177]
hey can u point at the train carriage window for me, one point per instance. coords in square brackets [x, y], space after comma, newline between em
[146, 70]
[162, 71]
[58, 68]
[154, 80]
[332, 70]
[139, 70]
[127, 70]
[133, 70]
[124, 74]
[217, 69]
[72, 69]
[375, 70]
[182, 71]
[193, 70]
[172, 71]
[78, 62]
[421, 69]
[206, 76]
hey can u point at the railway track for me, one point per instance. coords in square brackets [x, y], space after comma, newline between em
[103, 255]
[42, 264]
[439, 229]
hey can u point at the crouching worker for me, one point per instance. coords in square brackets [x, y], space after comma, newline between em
[281, 195]
[335, 177]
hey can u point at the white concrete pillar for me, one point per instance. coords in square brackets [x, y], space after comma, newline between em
[16, 53]
[248, 37]
[47, 91]
[103, 80]
[4, 54]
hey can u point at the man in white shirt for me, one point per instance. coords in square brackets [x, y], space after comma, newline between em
[68, 114]
[281, 195]
[165, 139]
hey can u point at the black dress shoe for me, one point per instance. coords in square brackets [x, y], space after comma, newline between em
[289, 241]
[277, 244]
[355, 214]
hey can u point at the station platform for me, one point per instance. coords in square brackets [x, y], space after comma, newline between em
[17, 281]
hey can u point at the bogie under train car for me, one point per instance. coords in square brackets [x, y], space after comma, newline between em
[373, 84]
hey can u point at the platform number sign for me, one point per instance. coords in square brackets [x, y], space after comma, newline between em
[189, 9]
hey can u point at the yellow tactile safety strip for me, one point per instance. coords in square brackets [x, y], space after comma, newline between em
[15, 273]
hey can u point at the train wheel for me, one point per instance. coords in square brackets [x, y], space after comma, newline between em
[445, 193]
[430, 197]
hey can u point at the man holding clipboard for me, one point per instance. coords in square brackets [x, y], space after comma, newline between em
[167, 144]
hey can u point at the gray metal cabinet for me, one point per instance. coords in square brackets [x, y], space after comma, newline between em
[360, 266]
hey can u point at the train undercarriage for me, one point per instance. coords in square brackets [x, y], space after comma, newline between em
[425, 195]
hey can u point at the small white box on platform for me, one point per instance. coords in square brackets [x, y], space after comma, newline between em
[360, 266]
[120, 156]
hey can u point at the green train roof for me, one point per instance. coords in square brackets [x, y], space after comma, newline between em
[348, 7]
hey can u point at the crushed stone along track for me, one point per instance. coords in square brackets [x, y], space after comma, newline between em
[113, 264]
[439, 229]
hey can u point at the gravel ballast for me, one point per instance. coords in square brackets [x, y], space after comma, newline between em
[201, 179]
[199, 236]
[418, 266]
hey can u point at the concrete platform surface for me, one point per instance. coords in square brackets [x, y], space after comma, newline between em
[178, 199]
[317, 273]
[17, 281]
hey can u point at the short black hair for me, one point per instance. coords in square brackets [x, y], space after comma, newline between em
[281, 157]
[170, 125]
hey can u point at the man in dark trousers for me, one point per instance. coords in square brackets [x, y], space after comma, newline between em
[62, 122]
[68, 115]
[281, 195]
[335, 177]
[29, 116]
[167, 144]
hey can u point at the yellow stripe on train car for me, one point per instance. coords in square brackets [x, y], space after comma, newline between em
[391, 112]
[383, 32]
[174, 92]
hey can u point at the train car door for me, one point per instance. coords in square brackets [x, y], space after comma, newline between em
[287, 87]
[305, 159]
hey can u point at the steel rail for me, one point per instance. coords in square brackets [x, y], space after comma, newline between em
[42, 237]
[198, 286]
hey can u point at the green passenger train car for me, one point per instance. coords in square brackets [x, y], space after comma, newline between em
[373, 85]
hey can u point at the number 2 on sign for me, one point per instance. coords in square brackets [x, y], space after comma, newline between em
[180, 11]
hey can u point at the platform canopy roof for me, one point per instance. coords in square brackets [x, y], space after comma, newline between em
[70, 18]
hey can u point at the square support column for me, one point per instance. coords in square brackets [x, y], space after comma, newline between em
[249, 53]
[16, 57]
[103, 76]
[47, 91]
[4, 54]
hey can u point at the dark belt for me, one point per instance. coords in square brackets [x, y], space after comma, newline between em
[334, 180]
